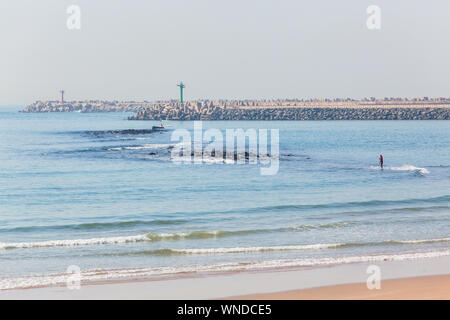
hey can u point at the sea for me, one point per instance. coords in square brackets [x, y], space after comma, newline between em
[81, 193]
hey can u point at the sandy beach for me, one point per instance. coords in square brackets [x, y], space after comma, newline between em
[420, 288]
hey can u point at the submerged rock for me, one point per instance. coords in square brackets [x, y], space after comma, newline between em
[125, 131]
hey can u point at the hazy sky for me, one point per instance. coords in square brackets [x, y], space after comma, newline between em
[140, 49]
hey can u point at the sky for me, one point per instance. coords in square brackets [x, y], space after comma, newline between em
[233, 49]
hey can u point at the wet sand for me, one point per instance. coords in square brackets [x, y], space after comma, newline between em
[420, 288]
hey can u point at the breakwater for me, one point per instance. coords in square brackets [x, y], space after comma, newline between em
[280, 109]
[295, 114]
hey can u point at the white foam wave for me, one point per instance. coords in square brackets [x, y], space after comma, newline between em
[408, 167]
[256, 249]
[211, 160]
[187, 235]
[424, 241]
[147, 146]
[111, 274]
[152, 146]
[73, 243]
[405, 167]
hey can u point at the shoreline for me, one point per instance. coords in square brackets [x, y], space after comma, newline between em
[326, 282]
[122, 275]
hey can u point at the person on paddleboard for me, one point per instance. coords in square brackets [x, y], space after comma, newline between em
[381, 161]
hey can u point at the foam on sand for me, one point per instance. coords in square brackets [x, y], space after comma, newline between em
[40, 280]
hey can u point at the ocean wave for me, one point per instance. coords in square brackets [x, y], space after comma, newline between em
[136, 273]
[212, 160]
[199, 251]
[408, 167]
[196, 235]
[320, 246]
[118, 132]
[351, 204]
[141, 147]
[423, 241]
[73, 243]
[147, 146]
[96, 225]
[220, 233]
[192, 235]
[405, 167]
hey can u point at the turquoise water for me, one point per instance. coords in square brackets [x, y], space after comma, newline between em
[73, 192]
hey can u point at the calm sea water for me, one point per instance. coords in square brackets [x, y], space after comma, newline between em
[74, 193]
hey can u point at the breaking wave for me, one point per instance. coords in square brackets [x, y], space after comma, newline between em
[320, 246]
[155, 237]
[423, 241]
[73, 243]
[193, 235]
[405, 167]
[146, 146]
[151, 237]
[168, 252]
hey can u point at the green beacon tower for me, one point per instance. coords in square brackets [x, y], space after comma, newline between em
[182, 86]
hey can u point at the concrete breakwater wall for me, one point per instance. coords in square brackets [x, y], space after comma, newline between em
[85, 106]
[359, 113]
[279, 109]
